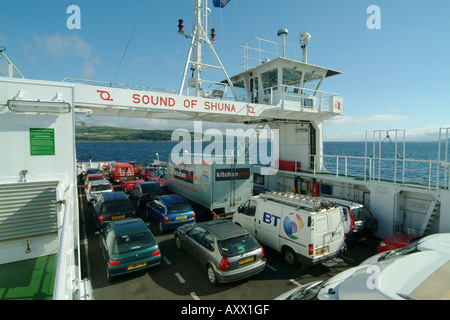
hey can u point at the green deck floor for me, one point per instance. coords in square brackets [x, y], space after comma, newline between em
[31, 279]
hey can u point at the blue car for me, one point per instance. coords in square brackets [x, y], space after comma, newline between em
[171, 211]
[128, 245]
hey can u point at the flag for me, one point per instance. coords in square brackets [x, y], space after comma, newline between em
[220, 3]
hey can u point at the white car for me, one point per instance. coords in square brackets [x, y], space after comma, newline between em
[95, 187]
[423, 275]
[437, 242]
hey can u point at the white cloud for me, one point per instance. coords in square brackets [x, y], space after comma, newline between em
[358, 120]
[63, 46]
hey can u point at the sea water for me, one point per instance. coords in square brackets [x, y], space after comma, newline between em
[414, 162]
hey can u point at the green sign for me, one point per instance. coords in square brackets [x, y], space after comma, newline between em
[42, 142]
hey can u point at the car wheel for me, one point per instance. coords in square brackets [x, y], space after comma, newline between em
[371, 226]
[161, 227]
[289, 257]
[178, 243]
[109, 276]
[212, 277]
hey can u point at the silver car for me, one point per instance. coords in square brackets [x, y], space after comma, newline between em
[227, 251]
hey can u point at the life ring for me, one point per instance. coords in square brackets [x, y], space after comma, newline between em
[104, 167]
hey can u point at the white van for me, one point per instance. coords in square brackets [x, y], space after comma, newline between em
[304, 229]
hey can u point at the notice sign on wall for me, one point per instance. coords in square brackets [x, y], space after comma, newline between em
[42, 142]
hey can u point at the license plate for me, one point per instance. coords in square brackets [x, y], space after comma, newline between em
[118, 217]
[138, 265]
[321, 251]
[181, 217]
[246, 260]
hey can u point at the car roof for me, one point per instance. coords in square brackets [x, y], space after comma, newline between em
[343, 202]
[438, 242]
[94, 175]
[411, 276]
[127, 226]
[111, 196]
[149, 182]
[172, 198]
[223, 229]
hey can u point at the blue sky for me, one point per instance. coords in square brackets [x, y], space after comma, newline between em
[393, 77]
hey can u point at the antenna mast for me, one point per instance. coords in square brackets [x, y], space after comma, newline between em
[199, 40]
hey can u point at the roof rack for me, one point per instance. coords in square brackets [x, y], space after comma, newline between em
[299, 200]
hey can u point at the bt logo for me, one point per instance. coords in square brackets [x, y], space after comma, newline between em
[289, 226]
[267, 218]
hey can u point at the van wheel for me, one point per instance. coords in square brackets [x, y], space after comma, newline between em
[290, 257]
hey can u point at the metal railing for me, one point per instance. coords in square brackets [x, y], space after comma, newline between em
[7, 68]
[68, 285]
[432, 174]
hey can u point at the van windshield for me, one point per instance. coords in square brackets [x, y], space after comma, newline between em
[239, 245]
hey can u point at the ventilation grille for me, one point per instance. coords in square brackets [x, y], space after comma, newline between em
[28, 209]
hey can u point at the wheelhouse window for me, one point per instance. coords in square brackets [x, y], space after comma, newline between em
[270, 81]
[241, 91]
[311, 83]
[292, 80]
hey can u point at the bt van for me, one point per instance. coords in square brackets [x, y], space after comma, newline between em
[304, 229]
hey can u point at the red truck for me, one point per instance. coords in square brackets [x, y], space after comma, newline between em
[120, 170]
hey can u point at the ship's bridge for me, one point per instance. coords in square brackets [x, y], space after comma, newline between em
[290, 85]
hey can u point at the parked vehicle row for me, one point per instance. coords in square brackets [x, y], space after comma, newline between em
[128, 245]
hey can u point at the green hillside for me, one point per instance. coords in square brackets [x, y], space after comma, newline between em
[104, 133]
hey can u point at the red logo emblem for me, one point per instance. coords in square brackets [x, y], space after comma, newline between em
[105, 95]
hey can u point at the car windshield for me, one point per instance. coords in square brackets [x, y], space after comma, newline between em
[117, 206]
[179, 207]
[411, 248]
[100, 187]
[151, 188]
[239, 245]
[133, 242]
[93, 178]
[307, 292]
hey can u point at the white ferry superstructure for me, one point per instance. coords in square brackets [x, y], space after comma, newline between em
[39, 210]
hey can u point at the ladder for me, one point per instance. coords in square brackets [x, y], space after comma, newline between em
[432, 211]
